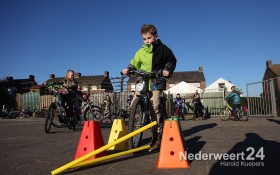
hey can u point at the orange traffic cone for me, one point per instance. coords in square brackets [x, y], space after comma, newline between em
[90, 140]
[172, 152]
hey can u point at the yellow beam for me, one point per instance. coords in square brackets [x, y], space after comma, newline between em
[103, 148]
[100, 159]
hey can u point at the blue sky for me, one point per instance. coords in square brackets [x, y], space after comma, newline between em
[230, 38]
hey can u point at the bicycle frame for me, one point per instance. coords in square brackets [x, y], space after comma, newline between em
[140, 108]
[227, 113]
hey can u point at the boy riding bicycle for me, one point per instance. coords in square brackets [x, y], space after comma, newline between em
[235, 95]
[179, 106]
[151, 57]
[72, 95]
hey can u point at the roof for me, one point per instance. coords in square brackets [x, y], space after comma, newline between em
[187, 76]
[215, 84]
[183, 87]
[275, 68]
[84, 80]
[22, 85]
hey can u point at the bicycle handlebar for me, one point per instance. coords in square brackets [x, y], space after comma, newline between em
[142, 73]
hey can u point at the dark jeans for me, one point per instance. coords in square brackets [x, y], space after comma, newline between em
[67, 102]
[198, 109]
[235, 108]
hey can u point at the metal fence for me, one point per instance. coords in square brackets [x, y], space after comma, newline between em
[33, 100]
[261, 98]
[119, 99]
[213, 99]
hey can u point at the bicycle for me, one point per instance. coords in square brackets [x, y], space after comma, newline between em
[57, 115]
[93, 112]
[180, 112]
[203, 112]
[140, 108]
[8, 113]
[40, 113]
[124, 113]
[198, 110]
[89, 109]
[227, 113]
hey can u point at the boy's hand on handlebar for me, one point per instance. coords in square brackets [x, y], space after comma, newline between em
[165, 73]
[124, 71]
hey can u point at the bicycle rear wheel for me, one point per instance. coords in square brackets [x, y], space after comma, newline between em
[135, 122]
[243, 114]
[224, 114]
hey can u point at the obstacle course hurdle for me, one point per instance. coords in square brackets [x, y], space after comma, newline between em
[99, 150]
[100, 159]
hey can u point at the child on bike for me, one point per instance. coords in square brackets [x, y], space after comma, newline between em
[106, 105]
[179, 106]
[71, 95]
[235, 95]
[198, 113]
[151, 57]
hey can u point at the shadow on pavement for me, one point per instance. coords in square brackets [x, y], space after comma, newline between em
[115, 160]
[198, 128]
[273, 120]
[263, 154]
[194, 146]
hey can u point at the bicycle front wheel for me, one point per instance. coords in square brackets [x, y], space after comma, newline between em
[135, 122]
[71, 123]
[224, 114]
[48, 118]
[93, 113]
[243, 114]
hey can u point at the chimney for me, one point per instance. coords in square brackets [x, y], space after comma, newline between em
[268, 63]
[10, 78]
[200, 69]
[77, 75]
[106, 73]
[32, 77]
[52, 76]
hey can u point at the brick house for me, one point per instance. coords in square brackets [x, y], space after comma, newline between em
[89, 84]
[10, 87]
[272, 71]
[195, 78]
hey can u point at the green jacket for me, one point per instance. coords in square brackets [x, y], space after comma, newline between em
[152, 59]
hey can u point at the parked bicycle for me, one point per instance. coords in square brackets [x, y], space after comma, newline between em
[97, 113]
[124, 113]
[40, 113]
[25, 113]
[57, 115]
[140, 108]
[180, 112]
[8, 113]
[227, 113]
[203, 112]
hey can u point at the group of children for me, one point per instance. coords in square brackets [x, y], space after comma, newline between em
[153, 56]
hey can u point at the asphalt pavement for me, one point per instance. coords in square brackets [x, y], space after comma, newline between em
[214, 147]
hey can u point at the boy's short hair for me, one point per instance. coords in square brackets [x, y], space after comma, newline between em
[232, 87]
[148, 28]
[70, 70]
